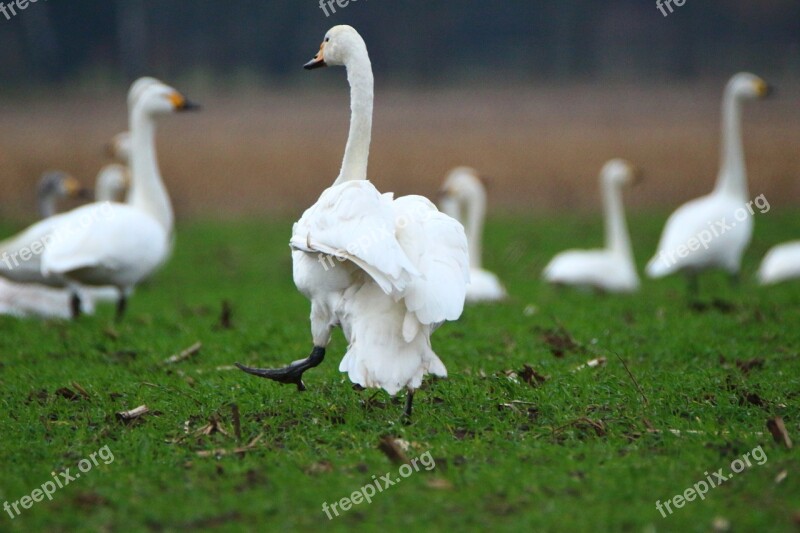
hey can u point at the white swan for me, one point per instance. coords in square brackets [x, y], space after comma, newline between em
[104, 243]
[613, 268]
[782, 263]
[715, 230]
[388, 271]
[463, 197]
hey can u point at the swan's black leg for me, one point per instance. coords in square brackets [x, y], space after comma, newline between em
[75, 305]
[292, 374]
[407, 410]
[122, 306]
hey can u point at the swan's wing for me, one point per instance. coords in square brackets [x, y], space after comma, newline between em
[20, 255]
[109, 237]
[354, 221]
[437, 246]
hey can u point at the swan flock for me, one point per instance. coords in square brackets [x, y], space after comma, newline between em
[387, 271]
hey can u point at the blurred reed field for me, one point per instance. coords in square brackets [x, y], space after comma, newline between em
[265, 153]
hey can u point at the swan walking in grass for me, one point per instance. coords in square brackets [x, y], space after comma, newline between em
[613, 268]
[104, 243]
[709, 232]
[388, 271]
[463, 197]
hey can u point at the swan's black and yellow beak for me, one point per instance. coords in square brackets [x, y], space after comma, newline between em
[181, 103]
[764, 89]
[318, 61]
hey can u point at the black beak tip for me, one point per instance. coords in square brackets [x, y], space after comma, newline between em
[191, 106]
[770, 92]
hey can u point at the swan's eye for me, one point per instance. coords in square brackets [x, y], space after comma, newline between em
[327, 39]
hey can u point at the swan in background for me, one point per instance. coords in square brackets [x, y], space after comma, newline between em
[711, 231]
[55, 186]
[103, 243]
[782, 263]
[112, 182]
[388, 271]
[611, 269]
[30, 300]
[463, 197]
[33, 300]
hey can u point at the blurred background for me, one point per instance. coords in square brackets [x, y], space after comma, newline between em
[535, 94]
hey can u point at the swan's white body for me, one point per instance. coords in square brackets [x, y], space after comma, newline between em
[782, 263]
[613, 268]
[464, 199]
[389, 271]
[106, 244]
[709, 232]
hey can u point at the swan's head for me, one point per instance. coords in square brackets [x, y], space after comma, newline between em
[120, 147]
[161, 99]
[462, 184]
[57, 184]
[621, 173]
[339, 45]
[138, 87]
[749, 86]
[112, 181]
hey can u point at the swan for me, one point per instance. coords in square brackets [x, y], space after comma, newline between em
[388, 271]
[55, 186]
[111, 183]
[715, 230]
[782, 263]
[29, 300]
[611, 269]
[463, 197]
[105, 243]
[32, 300]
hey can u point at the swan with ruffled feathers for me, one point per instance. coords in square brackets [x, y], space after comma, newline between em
[388, 271]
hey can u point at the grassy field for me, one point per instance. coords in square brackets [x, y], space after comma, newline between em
[585, 449]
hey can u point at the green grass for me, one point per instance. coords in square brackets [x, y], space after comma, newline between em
[577, 455]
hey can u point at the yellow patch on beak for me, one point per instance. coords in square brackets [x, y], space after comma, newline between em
[72, 186]
[319, 59]
[762, 89]
[178, 100]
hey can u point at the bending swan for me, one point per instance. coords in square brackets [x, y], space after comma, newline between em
[612, 269]
[692, 241]
[389, 272]
[463, 197]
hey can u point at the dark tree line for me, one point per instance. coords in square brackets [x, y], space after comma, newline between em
[411, 40]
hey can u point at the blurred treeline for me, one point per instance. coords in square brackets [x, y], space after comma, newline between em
[414, 41]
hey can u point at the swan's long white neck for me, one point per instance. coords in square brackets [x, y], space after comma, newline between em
[732, 178]
[356, 155]
[475, 216]
[617, 237]
[147, 189]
